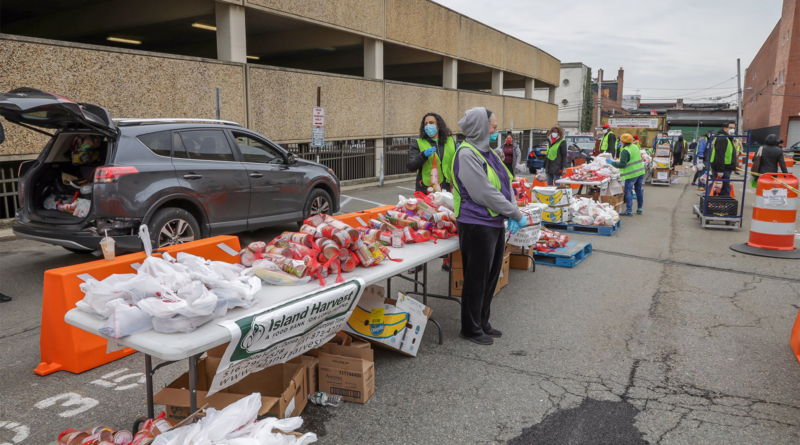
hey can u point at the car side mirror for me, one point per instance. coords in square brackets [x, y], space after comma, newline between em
[292, 158]
[2, 134]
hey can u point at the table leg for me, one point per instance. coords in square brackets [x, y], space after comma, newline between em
[425, 300]
[148, 378]
[389, 287]
[416, 278]
[192, 384]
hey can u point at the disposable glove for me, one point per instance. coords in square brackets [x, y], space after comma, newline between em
[429, 152]
[609, 161]
[514, 225]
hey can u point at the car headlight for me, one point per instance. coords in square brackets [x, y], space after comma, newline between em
[330, 170]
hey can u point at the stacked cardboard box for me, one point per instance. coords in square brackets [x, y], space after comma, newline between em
[457, 265]
[347, 371]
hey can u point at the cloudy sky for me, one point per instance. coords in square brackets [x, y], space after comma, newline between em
[669, 48]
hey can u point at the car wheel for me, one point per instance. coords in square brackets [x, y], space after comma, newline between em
[173, 226]
[80, 251]
[318, 202]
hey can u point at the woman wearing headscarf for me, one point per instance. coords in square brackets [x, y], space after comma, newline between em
[483, 200]
[555, 160]
[434, 145]
[510, 153]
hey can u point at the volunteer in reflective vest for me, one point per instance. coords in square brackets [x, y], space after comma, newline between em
[723, 157]
[434, 148]
[555, 160]
[701, 157]
[609, 141]
[631, 170]
[483, 199]
[637, 142]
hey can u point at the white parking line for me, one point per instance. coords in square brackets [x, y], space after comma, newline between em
[365, 200]
[406, 188]
[343, 203]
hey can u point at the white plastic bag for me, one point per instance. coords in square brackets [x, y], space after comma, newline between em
[443, 198]
[603, 219]
[272, 274]
[182, 323]
[131, 287]
[82, 207]
[125, 319]
[171, 275]
[232, 298]
[199, 300]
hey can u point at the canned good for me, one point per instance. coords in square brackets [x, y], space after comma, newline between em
[441, 234]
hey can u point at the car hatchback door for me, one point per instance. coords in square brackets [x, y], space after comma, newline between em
[206, 166]
[276, 188]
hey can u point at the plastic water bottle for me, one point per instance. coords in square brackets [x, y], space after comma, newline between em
[325, 399]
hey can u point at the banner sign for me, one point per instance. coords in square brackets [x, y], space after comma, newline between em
[630, 122]
[279, 334]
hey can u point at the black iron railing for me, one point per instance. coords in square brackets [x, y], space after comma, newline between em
[351, 159]
[395, 156]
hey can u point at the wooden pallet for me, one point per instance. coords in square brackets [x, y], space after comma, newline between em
[585, 230]
[568, 257]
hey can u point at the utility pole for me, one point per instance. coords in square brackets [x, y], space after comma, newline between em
[739, 96]
[599, 96]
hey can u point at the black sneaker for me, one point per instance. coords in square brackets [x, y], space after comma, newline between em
[638, 211]
[492, 332]
[484, 339]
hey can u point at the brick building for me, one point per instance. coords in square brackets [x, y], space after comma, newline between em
[771, 101]
[611, 96]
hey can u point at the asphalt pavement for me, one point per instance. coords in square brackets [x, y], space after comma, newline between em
[663, 335]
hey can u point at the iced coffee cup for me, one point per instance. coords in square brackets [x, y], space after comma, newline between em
[107, 244]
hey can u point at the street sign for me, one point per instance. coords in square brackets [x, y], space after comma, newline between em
[653, 113]
[318, 137]
[318, 117]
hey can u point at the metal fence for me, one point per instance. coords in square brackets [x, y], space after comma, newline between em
[395, 156]
[351, 159]
[8, 189]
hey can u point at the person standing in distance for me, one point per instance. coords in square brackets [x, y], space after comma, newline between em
[434, 139]
[483, 199]
[608, 142]
[723, 157]
[631, 170]
[510, 153]
[555, 160]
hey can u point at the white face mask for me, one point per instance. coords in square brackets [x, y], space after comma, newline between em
[554, 135]
[605, 131]
[731, 131]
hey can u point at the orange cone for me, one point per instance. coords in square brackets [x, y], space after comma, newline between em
[772, 230]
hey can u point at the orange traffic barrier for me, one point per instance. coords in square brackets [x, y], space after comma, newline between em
[789, 161]
[794, 340]
[774, 215]
[67, 348]
[570, 170]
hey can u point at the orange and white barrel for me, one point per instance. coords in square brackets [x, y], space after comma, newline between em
[774, 213]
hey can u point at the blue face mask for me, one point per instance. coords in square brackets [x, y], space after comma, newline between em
[431, 130]
[493, 137]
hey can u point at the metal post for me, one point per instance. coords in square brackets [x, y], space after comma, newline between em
[599, 97]
[739, 95]
[319, 104]
[218, 108]
[381, 172]
[148, 382]
[192, 384]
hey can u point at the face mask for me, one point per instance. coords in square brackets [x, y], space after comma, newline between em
[554, 135]
[731, 131]
[493, 137]
[431, 130]
[509, 141]
[605, 131]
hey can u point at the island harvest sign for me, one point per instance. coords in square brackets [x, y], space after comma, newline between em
[279, 334]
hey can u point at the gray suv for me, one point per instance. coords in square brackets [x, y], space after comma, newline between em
[184, 180]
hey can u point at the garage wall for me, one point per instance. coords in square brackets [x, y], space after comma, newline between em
[127, 83]
[549, 68]
[281, 101]
[521, 111]
[359, 15]
[521, 57]
[424, 24]
[481, 43]
[546, 115]
[406, 104]
[467, 100]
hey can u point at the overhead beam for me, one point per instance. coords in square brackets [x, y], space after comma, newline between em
[108, 17]
[309, 38]
[398, 55]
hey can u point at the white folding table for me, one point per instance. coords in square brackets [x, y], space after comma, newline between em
[180, 346]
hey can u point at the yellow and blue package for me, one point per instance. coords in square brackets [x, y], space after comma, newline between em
[85, 149]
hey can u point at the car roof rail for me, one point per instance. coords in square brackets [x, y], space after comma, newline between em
[122, 122]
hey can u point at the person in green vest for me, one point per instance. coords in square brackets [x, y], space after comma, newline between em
[555, 161]
[723, 157]
[631, 170]
[483, 200]
[434, 145]
[608, 142]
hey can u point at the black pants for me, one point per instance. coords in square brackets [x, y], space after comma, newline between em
[482, 253]
[677, 158]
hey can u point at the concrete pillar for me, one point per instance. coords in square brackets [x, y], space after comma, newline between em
[450, 79]
[551, 97]
[528, 88]
[373, 58]
[497, 82]
[378, 154]
[231, 33]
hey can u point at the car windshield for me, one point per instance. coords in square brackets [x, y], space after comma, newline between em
[580, 139]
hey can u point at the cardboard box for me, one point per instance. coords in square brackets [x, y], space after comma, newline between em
[663, 151]
[504, 272]
[283, 390]
[661, 162]
[554, 214]
[552, 196]
[661, 174]
[312, 371]
[348, 372]
[457, 282]
[393, 324]
[681, 170]
[520, 262]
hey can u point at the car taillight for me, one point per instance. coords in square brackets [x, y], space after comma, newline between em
[532, 154]
[105, 175]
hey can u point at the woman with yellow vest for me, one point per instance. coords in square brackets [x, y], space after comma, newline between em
[608, 143]
[631, 170]
[433, 150]
[555, 160]
[483, 199]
